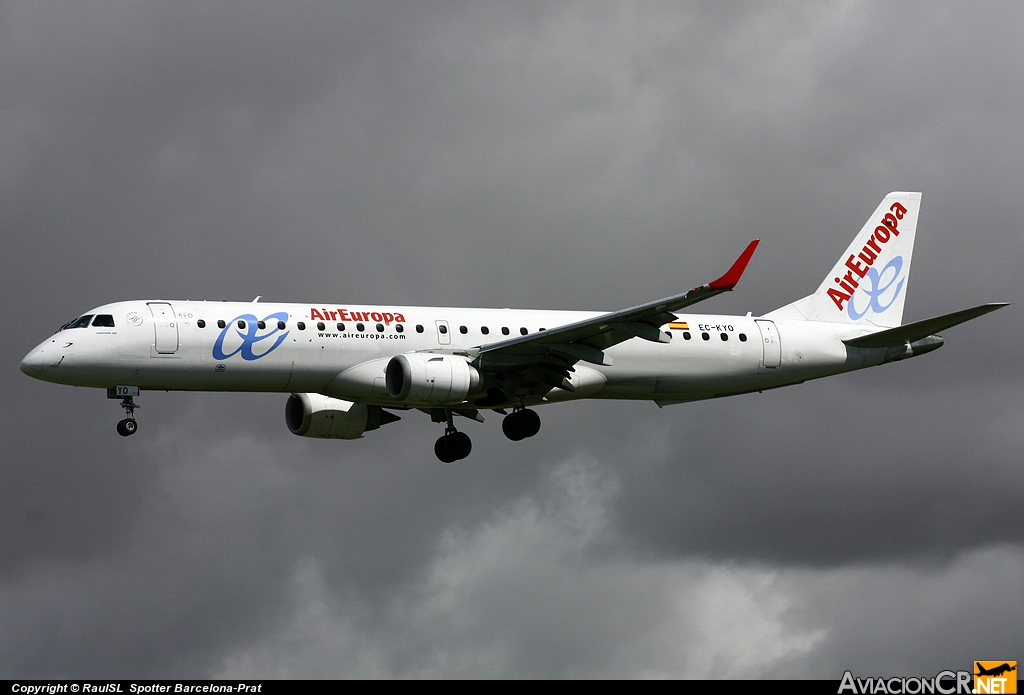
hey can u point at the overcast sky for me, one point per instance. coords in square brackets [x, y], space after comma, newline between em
[551, 155]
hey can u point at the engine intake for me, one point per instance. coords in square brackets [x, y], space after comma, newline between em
[428, 379]
[323, 417]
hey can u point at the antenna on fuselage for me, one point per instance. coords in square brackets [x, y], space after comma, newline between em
[257, 298]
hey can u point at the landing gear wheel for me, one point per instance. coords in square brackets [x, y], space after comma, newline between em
[442, 451]
[512, 427]
[127, 427]
[531, 422]
[452, 447]
[521, 424]
[461, 443]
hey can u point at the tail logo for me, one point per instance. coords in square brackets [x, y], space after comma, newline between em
[860, 266]
[876, 279]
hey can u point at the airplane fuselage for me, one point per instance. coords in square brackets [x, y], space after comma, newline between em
[180, 345]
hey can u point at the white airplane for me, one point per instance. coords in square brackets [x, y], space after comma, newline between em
[348, 368]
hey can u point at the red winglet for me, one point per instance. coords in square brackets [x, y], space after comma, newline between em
[732, 277]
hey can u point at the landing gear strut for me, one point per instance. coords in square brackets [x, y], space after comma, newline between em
[128, 426]
[521, 423]
[454, 445]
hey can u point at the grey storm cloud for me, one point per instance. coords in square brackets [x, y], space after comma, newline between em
[557, 155]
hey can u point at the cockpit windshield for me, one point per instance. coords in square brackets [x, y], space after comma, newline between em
[80, 322]
[103, 321]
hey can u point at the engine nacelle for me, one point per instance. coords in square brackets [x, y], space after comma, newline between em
[428, 379]
[316, 415]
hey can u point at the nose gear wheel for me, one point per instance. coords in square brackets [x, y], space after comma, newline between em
[128, 426]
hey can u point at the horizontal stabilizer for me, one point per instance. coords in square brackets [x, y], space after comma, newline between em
[911, 332]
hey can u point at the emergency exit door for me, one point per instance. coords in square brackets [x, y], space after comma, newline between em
[772, 345]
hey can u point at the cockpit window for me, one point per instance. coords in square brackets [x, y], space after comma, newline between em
[81, 322]
[103, 321]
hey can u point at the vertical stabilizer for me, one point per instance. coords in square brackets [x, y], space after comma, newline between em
[869, 281]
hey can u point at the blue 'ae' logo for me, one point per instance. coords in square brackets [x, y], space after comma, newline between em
[875, 285]
[251, 336]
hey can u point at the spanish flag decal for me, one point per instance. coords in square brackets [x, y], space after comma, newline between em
[679, 326]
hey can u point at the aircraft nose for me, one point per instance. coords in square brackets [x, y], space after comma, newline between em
[34, 363]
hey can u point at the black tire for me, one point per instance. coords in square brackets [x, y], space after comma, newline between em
[530, 422]
[461, 444]
[444, 451]
[512, 426]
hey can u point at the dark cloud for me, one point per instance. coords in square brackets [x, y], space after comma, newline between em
[564, 156]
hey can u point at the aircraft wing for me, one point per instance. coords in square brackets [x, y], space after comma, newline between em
[894, 337]
[586, 340]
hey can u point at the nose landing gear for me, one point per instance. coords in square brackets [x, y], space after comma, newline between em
[520, 424]
[128, 426]
[454, 445]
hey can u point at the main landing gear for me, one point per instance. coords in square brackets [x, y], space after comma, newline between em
[128, 426]
[454, 445]
[520, 424]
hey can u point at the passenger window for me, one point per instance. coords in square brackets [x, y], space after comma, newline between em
[220, 323]
[341, 327]
[705, 336]
[241, 324]
[419, 328]
[280, 325]
[523, 331]
[463, 330]
[301, 325]
[103, 321]
[82, 322]
[442, 328]
[725, 337]
[686, 335]
[743, 337]
[201, 323]
[261, 325]
[380, 327]
[399, 328]
[360, 327]
[320, 325]
[485, 330]
[504, 330]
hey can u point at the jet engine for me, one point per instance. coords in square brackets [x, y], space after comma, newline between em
[316, 415]
[429, 379]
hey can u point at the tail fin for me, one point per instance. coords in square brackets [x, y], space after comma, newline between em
[868, 284]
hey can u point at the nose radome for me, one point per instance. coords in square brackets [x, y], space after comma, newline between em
[34, 363]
